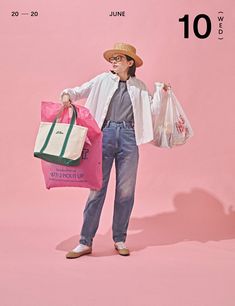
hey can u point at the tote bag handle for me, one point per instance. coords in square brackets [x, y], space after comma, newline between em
[72, 122]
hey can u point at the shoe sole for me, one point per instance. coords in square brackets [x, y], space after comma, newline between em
[72, 255]
[127, 254]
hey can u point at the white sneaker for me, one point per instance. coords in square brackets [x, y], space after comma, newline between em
[81, 247]
[121, 248]
[80, 250]
[121, 245]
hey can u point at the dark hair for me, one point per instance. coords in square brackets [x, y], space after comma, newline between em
[131, 70]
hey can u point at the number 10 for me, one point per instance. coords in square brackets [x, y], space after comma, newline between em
[185, 19]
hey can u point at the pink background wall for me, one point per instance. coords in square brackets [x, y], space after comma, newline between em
[182, 228]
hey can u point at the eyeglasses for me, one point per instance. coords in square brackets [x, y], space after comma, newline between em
[116, 58]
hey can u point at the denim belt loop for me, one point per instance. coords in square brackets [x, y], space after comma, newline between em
[124, 123]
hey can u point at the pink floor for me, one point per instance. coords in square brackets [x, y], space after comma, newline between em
[180, 257]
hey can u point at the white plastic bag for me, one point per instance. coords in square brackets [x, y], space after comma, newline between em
[170, 125]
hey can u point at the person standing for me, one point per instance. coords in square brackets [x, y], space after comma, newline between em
[122, 107]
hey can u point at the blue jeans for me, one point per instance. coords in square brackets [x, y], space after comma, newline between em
[119, 143]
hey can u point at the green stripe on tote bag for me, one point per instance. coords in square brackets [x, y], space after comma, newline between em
[70, 147]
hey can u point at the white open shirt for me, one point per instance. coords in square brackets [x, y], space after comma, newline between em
[99, 92]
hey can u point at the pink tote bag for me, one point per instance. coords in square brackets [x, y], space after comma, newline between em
[88, 174]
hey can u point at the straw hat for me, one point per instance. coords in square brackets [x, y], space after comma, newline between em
[125, 49]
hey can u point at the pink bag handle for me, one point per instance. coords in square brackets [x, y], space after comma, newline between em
[87, 140]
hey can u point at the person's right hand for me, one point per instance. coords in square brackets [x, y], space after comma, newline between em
[66, 100]
[166, 86]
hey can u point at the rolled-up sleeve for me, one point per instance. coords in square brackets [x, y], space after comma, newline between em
[80, 92]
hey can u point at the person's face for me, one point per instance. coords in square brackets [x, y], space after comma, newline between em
[120, 64]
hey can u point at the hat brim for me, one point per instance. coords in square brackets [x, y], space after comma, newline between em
[109, 53]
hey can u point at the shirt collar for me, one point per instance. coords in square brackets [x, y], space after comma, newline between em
[116, 77]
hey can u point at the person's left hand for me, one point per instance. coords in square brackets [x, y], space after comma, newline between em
[165, 87]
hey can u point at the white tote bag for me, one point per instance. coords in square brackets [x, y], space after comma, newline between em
[61, 143]
[170, 124]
